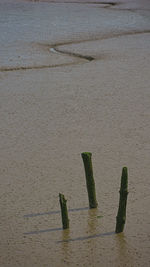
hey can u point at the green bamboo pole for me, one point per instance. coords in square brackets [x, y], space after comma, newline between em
[64, 211]
[121, 216]
[87, 160]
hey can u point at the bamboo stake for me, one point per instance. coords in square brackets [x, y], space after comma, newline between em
[86, 156]
[64, 211]
[121, 216]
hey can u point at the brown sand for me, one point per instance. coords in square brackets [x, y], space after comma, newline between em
[54, 108]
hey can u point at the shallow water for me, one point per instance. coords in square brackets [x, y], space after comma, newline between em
[53, 106]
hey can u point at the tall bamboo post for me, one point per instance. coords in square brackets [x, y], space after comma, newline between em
[121, 216]
[64, 211]
[87, 160]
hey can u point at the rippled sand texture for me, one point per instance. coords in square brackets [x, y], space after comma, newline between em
[74, 77]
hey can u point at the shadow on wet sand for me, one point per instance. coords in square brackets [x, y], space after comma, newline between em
[86, 237]
[43, 231]
[53, 212]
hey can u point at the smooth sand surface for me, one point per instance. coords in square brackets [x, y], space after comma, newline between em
[74, 77]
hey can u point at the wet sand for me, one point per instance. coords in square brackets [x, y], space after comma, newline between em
[74, 77]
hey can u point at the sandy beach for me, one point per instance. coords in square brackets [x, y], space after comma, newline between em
[74, 77]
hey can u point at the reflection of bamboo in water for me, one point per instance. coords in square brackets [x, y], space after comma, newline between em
[92, 229]
[92, 223]
[124, 251]
[66, 247]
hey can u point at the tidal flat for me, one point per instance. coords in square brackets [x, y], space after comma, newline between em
[74, 77]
